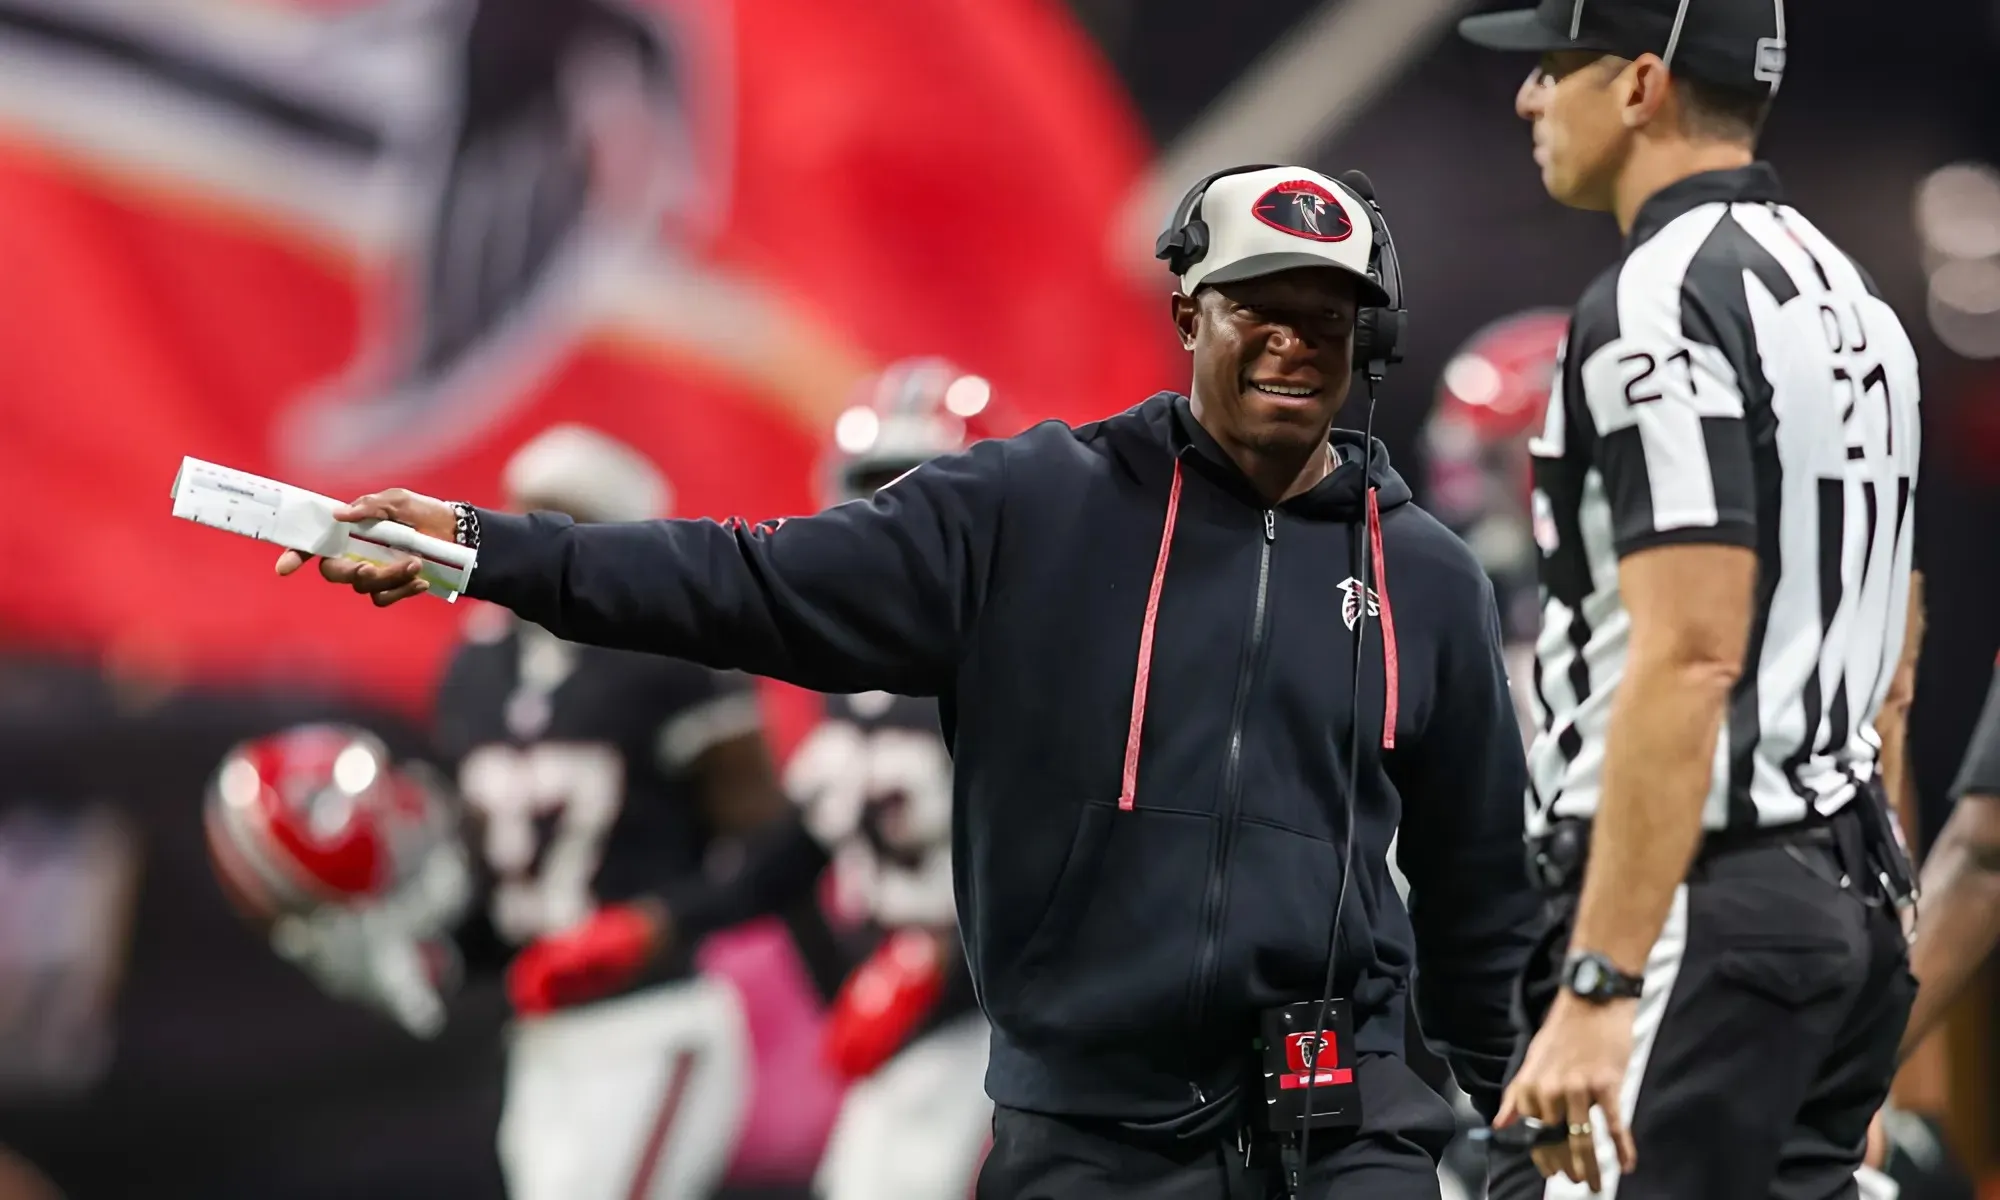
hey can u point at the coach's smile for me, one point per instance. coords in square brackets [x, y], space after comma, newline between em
[1284, 391]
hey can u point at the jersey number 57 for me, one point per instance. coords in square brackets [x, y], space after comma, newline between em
[570, 789]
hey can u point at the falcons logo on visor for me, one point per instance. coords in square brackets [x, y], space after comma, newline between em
[1304, 209]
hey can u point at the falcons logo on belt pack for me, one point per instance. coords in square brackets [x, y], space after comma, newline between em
[1350, 601]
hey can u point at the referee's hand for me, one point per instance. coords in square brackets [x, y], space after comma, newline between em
[1570, 1078]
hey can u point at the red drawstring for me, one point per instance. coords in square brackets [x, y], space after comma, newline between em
[1390, 676]
[1128, 794]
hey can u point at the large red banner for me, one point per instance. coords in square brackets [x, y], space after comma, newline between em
[359, 244]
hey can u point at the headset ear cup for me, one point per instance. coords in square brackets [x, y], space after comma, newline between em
[1382, 327]
[1378, 333]
[1194, 245]
[1388, 331]
[1366, 323]
[1185, 241]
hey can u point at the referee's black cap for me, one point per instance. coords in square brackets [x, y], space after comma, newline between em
[1731, 43]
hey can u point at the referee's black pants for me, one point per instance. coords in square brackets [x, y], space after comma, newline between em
[1393, 1156]
[1765, 1039]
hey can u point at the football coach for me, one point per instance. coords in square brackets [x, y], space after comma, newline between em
[1197, 663]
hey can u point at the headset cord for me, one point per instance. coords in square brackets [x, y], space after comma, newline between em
[1296, 1169]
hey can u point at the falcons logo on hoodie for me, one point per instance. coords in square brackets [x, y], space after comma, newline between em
[1350, 601]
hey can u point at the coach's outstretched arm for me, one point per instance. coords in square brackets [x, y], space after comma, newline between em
[1474, 910]
[868, 595]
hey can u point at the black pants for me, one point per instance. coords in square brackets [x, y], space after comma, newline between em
[1393, 1156]
[1765, 1040]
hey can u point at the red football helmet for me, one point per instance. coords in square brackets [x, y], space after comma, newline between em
[316, 815]
[1499, 381]
[912, 412]
[1492, 398]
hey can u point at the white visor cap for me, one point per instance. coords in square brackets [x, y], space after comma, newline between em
[1282, 218]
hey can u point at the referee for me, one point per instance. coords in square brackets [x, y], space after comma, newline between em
[1723, 504]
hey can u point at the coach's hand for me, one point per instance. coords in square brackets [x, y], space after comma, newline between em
[1575, 1065]
[385, 582]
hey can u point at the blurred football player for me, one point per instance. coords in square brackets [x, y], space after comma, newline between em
[872, 785]
[585, 777]
[1491, 399]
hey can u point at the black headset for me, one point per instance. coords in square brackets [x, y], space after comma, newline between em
[1378, 332]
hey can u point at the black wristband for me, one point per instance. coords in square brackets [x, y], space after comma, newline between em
[466, 518]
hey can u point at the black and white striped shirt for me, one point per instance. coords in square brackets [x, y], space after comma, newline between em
[1736, 379]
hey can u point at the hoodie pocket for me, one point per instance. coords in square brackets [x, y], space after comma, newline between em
[1110, 955]
[1086, 847]
[1283, 888]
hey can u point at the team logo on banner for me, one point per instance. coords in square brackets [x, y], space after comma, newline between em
[505, 178]
[572, 148]
[347, 243]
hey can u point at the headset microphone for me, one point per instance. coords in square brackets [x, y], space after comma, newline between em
[1376, 338]
[1353, 773]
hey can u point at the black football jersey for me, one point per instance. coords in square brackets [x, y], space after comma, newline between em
[574, 766]
[873, 782]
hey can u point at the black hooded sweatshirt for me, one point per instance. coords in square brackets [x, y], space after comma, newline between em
[1144, 674]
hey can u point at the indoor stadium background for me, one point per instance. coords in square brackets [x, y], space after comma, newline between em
[697, 231]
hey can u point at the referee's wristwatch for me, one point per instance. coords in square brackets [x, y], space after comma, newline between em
[1591, 976]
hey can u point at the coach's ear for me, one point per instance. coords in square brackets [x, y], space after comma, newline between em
[1187, 316]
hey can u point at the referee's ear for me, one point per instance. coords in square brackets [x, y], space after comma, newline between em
[1648, 94]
